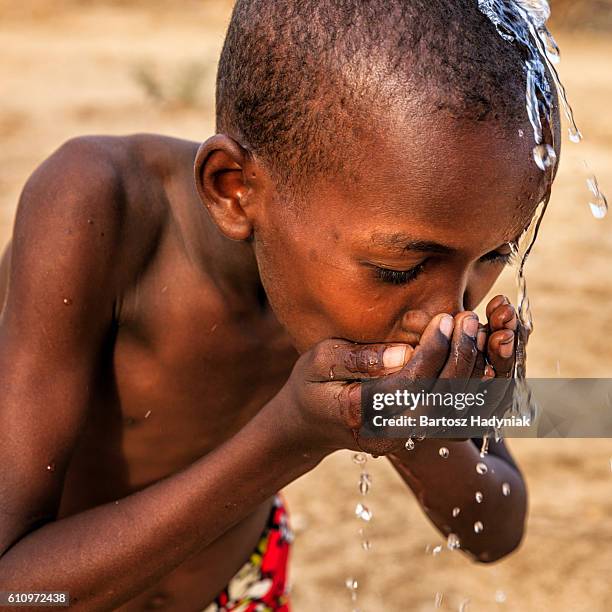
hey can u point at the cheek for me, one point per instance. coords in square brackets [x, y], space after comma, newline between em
[317, 292]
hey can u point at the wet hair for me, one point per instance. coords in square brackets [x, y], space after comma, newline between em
[301, 80]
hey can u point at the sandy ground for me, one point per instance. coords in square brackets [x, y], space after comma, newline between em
[66, 72]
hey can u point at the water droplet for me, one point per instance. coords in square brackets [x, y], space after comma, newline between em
[500, 597]
[505, 489]
[359, 458]
[436, 550]
[410, 444]
[51, 467]
[443, 452]
[463, 606]
[521, 133]
[481, 468]
[575, 135]
[331, 373]
[599, 203]
[148, 414]
[453, 542]
[550, 45]
[456, 512]
[365, 481]
[363, 512]
[420, 438]
[366, 545]
[479, 497]
[484, 449]
[67, 301]
[439, 598]
[478, 527]
[544, 156]
[351, 584]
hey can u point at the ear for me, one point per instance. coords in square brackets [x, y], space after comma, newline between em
[221, 170]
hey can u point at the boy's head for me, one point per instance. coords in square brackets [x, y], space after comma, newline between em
[378, 152]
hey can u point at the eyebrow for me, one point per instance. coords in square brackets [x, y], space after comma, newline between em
[406, 243]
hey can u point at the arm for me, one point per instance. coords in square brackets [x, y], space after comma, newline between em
[58, 314]
[440, 488]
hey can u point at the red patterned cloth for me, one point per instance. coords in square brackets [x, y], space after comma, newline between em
[261, 584]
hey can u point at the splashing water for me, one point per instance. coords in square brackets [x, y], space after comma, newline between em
[453, 542]
[363, 513]
[598, 203]
[463, 607]
[481, 468]
[352, 585]
[500, 597]
[484, 448]
[523, 23]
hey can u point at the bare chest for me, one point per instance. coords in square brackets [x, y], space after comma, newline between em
[183, 374]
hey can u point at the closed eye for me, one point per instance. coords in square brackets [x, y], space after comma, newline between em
[495, 257]
[398, 277]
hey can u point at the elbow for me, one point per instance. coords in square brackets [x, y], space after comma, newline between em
[507, 538]
[500, 550]
[503, 542]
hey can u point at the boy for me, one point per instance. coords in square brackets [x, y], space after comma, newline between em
[358, 201]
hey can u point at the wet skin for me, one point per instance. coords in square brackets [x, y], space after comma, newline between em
[142, 331]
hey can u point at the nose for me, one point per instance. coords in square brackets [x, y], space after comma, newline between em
[450, 299]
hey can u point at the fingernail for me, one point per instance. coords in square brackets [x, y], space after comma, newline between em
[446, 325]
[481, 340]
[506, 349]
[394, 357]
[470, 326]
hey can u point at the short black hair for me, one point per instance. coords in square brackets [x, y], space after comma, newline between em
[297, 79]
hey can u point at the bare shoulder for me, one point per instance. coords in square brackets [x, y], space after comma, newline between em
[106, 191]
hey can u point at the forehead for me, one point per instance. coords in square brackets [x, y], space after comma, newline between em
[441, 177]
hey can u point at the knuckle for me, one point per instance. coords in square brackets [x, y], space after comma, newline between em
[467, 351]
[364, 359]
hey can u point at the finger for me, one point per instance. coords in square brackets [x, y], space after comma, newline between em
[463, 349]
[500, 352]
[341, 360]
[481, 366]
[431, 354]
[503, 317]
[496, 302]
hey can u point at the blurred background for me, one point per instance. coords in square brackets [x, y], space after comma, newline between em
[73, 67]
